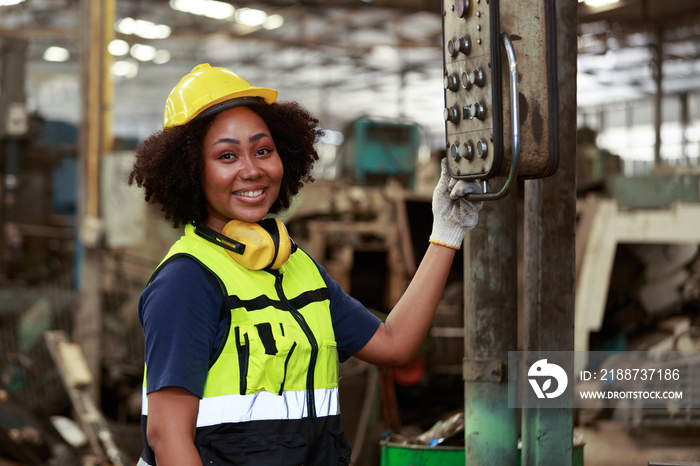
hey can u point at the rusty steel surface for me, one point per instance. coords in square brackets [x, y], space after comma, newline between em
[550, 214]
[549, 259]
[530, 30]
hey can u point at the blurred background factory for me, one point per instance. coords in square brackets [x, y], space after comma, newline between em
[82, 82]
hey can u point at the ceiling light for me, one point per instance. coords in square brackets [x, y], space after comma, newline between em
[143, 52]
[142, 28]
[125, 26]
[209, 8]
[599, 2]
[273, 22]
[118, 47]
[161, 57]
[10, 2]
[250, 16]
[148, 30]
[125, 68]
[56, 54]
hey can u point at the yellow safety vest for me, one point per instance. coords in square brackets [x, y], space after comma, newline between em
[277, 368]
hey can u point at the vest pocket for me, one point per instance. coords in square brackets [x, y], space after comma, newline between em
[243, 348]
[286, 367]
[267, 355]
[327, 365]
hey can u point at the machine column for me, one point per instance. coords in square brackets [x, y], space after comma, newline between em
[490, 323]
[549, 259]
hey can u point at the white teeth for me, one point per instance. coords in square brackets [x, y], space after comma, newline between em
[255, 193]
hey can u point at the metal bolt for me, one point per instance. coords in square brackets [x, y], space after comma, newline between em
[482, 148]
[451, 49]
[466, 83]
[451, 82]
[465, 45]
[469, 150]
[462, 8]
[454, 152]
[451, 114]
[480, 110]
[476, 76]
[479, 77]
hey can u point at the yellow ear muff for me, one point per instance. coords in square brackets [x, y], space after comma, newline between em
[267, 243]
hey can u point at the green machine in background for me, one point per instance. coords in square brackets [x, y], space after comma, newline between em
[380, 149]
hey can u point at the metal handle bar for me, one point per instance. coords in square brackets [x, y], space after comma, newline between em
[515, 123]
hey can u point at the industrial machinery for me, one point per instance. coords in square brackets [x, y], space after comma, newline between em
[378, 149]
[488, 97]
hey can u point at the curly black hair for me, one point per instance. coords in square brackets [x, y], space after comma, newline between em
[169, 163]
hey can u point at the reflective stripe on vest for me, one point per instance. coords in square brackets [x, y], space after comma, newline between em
[280, 325]
[261, 406]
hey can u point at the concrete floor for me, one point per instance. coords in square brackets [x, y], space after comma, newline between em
[608, 443]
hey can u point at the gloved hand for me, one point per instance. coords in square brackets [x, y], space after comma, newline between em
[453, 215]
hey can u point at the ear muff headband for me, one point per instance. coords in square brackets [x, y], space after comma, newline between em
[219, 239]
[284, 246]
[255, 246]
[271, 227]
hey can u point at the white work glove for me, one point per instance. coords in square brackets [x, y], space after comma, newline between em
[453, 215]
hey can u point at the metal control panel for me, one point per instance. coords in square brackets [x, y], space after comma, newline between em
[501, 91]
[472, 82]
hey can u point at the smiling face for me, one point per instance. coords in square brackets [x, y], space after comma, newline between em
[242, 169]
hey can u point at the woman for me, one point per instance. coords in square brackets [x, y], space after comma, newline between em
[244, 332]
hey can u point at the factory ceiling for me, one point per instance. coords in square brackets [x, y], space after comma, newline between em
[340, 58]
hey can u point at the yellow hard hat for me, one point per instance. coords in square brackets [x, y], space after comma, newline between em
[206, 87]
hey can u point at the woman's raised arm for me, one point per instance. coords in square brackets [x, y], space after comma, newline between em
[397, 340]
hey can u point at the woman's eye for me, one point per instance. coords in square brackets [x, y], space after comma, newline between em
[264, 151]
[227, 156]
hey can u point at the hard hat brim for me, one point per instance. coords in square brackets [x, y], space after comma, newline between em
[269, 96]
[225, 105]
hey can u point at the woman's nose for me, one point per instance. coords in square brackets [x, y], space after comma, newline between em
[250, 168]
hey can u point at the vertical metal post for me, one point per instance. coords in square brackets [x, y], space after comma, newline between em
[549, 259]
[490, 325]
[659, 96]
[13, 126]
[95, 140]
